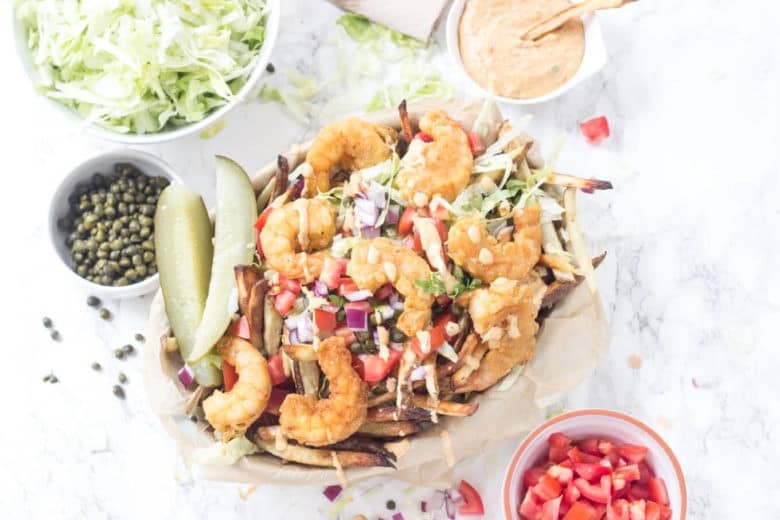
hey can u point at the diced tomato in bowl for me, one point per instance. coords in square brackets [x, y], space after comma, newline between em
[564, 471]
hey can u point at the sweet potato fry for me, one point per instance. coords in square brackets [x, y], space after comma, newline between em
[281, 178]
[406, 125]
[390, 429]
[321, 457]
[272, 327]
[393, 414]
[362, 444]
[255, 314]
[570, 181]
[447, 407]
[557, 290]
[470, 364]
[469, 344]
[246, 277]
[300, 352]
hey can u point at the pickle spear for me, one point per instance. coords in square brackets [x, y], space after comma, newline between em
[182, 239]
[234, 244]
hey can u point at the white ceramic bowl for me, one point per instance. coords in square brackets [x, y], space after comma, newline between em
[606, 424]
[272, 30]
[593, 60]
[103, 163]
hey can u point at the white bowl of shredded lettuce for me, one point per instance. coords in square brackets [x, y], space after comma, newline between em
[146, 71]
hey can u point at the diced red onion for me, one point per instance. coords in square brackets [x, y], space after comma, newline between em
[366, 211]
[393, 215]
[301, 324]
[418, 374]
[386, 311]
[376, 194]
[331, 492]
[443, 300]
[357, 296]
[423, 506]
[294, 337]
[357, 319]
[395, 302]
[186, 377]
[297, 189]
[398, 516]
[369, 232]
[320, 288]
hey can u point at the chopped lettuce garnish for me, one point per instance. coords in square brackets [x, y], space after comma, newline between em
[415, 85]
[143, 66]
[224, 453]
[435, 285]
[358, 27]
[213, 130]
[342, 246]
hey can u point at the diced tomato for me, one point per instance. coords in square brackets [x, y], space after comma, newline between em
[632, 453]
[294, 286]
[325, 321]
[636, 510]
[441, 227]
[629, 473]
[532, 476]
[472, 502]
[276, 369]
[658, 491]
[332, 272]
[530, 508]
[599, 493]
[601, 510]
[559, 440]
[610, 452]
[375, 369]
[437, 340]
[561, 474]
[644, 473]
[240, 328]
[595, 130]
[638, 491]
[229, 375]
[590, 445]
[547, 488]
[652, 511]
[417, 244]
[424, 137]
[347, 287]
[578, 456]
[571, 494]
[475, 143]
[284, 302]
[551, 509]
[617, 510]
[276, 400]
[666, 513]
[261, 220]
[590, 472]
[406, 222]
[581, 511]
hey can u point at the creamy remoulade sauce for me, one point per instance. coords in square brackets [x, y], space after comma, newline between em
[496, 57]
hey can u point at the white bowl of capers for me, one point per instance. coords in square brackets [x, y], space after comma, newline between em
[101, 222]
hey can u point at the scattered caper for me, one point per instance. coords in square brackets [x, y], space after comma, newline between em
[139, 337]
[96, 366]
[119, 353]
[53, 379]
[55, 335]
[119, 392]
[270, 68]
[128, 349]
[105, 314]
[46, 378]
[93, 301]
[397, 336]
[47, 322]
[122, 378]
[390, 505]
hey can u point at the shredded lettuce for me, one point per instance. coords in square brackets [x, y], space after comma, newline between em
[213, 130]
[224, 453]
[139, 66]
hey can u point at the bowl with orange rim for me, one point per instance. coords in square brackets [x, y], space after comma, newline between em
[599, 455]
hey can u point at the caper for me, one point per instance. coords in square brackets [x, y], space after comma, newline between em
[96, 366]
[130, 274]
[137, 260]
[145, 232]
[53, 379]
[47, 322]
[122, 377]
[105, 314]
[124, 262]
[390, 505]
[397, 336]
[139, 337]
[119, 392]
[456, 310]
[128, 349]
[149, 258]
[270, 68]
[55, 335]
[121, 281]
[141, 270]
[341, 315]
[119, 353]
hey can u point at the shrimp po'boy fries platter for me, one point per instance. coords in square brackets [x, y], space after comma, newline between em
[361, 260]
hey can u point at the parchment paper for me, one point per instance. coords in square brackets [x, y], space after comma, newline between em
[571, 341]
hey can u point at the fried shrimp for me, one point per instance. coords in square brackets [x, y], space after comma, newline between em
[504, 316]
[483, 256]
[350, 144]
[295, 229]
[379, 261]
[326, 421]
[439, 167]
[232, 412]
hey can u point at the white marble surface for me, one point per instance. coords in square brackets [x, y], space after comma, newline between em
[691, 281]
